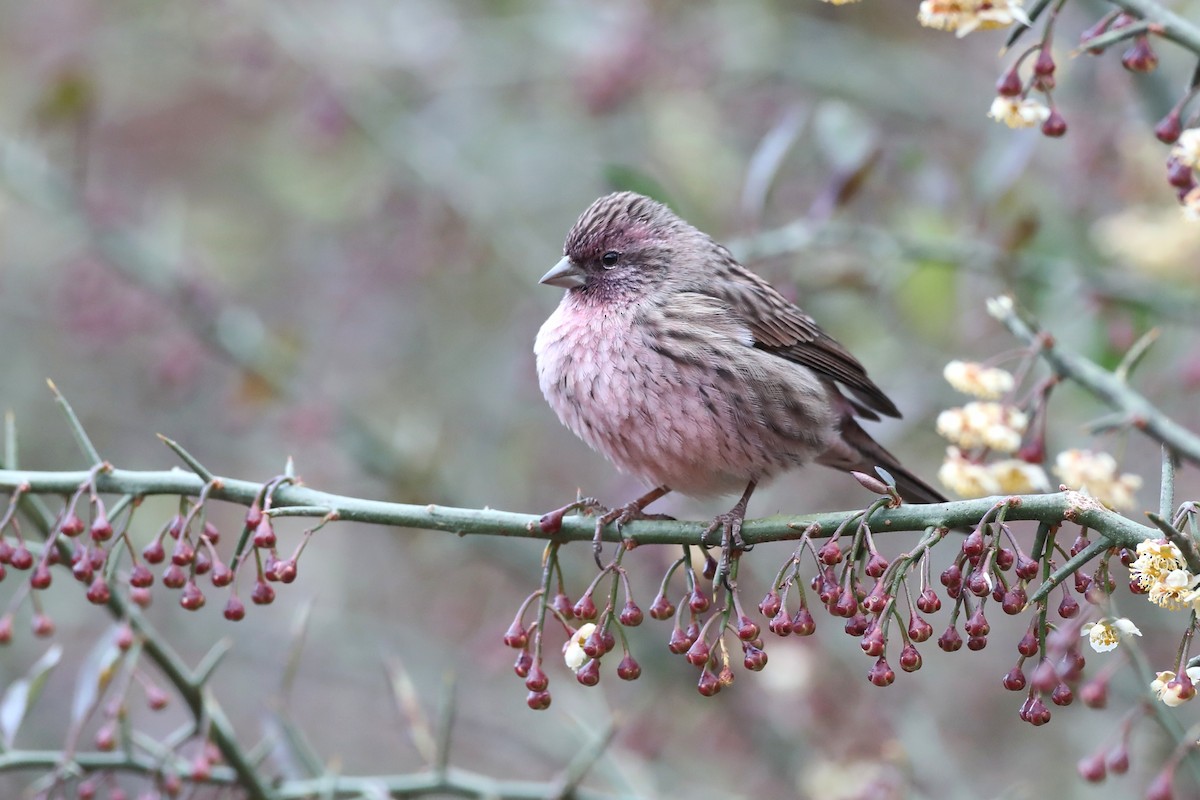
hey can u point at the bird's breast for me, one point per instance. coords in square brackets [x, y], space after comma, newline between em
[679, 423]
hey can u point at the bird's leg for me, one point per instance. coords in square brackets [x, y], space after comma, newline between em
[730, 524]
[626, 513]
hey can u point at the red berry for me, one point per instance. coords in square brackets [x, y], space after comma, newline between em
[950, 640]
[881, 674]
[770, 605]
[537, 680]
[154, 552]
[1094, 693]
[183, 553]
[709, 684]
[562, 606]
[698, 601]
[630, 615]
[191, 598]
[1091, 768]
[234, 609]
[21, 558]
[42, 625]
[538, 701]
[222, 575]
[263, 594]
[755, 658]
[1009, 84]
[910, 658]
[516, 636]
[40, 579]
[264, 534]
[918, 629]
[285, 571]
[928, 601]
[830, 554]
[589, 673]
[628, 669]
[872, 642]
[697, 654]
[661, 608]
[102, 529]
[1014, 680]
[72, 525]
[174, 577]
[679, 642]
[1055, 125]
[585, 608]
[803, 623]
[254, 516]
[98, 593]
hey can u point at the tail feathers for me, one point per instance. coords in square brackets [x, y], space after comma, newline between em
[858, 452]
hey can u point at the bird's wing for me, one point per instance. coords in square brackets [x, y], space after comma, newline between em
[780, 328]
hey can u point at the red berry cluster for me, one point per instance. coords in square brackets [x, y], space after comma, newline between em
[185, 547]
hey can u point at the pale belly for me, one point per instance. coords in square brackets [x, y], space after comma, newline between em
[669, 423]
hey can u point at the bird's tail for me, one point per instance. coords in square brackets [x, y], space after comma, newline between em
[857, 451]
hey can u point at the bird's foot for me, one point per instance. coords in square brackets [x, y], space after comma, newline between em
[732, 543]
[625, 514]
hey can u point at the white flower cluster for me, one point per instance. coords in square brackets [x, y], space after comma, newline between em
[1187, 152]
[965, 16]
[1161, 572]
[1019, 112]
[967, 478]
[1096, 474]
[573, 650]
[985, 423]
[986, 383]
[1106, 634]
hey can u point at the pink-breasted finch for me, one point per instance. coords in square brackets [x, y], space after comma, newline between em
[689, 371]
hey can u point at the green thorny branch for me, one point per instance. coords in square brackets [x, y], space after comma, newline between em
[287, 496]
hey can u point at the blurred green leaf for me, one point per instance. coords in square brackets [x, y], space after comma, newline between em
[24, 692]
[94, 676]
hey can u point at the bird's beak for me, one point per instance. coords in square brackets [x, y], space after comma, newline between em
[564, 274]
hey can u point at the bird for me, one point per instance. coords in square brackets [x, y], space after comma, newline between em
[692, 373]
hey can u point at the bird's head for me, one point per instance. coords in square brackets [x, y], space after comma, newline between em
[620, 248]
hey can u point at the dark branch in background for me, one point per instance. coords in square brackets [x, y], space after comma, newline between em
[971, 255]
[1135, 409]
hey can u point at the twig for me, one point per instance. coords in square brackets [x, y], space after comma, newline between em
[1052, 508]
[85, 442]
[1100, 382]
[187, 458]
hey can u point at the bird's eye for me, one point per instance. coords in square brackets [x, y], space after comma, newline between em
[610, 258]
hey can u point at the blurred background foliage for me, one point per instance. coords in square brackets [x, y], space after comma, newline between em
[315, 229]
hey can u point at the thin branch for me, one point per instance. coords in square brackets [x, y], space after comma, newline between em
[1102, 383]
[85, 442]
[1068, 505]
[1167, 24]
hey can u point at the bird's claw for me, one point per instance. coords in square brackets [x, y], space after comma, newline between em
[732, 543]
[620, 515]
